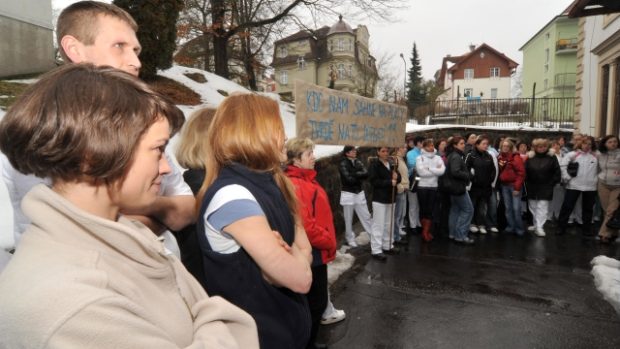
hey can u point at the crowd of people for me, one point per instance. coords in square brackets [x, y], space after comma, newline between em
[461, 186]
[102, 214]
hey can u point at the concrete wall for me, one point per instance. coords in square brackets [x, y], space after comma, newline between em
[27, 37]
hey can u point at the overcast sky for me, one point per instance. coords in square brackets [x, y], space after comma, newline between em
[441, 27]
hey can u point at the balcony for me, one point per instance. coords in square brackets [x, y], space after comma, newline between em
[565, 80]
[566, 46]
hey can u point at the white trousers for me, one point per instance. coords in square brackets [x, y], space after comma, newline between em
[351, 202]
[540, 210]
[380, 236]
[414, 210]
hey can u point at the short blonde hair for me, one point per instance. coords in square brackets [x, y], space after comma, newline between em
[540, 141]
[189, 153]
[295, 147]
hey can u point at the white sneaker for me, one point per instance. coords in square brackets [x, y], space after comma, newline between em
[494, 230]
[540, 232]
[531, 228]
[352, 243]
[482, 230]
[473, 229]
[336, 316]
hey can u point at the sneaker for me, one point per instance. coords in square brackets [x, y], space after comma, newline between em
[540, 232]
[336, 316]
[494, 230]
[352, 243]
[531, 228]
[482, 230]
[473, 229]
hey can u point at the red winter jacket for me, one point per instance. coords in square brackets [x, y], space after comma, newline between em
[511, 170]
[316, 214]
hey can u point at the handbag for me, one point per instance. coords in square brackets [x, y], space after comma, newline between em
[572, 168]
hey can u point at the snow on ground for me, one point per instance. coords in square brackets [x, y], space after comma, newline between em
[606, 272]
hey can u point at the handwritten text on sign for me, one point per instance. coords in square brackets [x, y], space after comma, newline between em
[333, 117]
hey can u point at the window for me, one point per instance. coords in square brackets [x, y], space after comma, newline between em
[469, 74]
[341, 71]
[340, 44]
[350, 48]
[468, 92]
[546, 55]
[495, 72]
[350, 71]
[547, 36]
[301, 63]
[494, 93]
[546, 68]
[283, 51]
[284, 78]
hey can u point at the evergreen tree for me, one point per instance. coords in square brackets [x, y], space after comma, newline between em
[156, 31]
[416, 95]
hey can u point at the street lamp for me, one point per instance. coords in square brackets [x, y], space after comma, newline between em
[405, 84]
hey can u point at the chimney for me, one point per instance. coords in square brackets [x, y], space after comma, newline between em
[472, 47]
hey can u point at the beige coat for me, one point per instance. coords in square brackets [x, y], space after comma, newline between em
[81, 281]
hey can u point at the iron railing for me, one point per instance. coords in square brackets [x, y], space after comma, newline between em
[535, 112]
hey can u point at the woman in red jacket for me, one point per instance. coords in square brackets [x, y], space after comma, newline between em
[511, 177]
[317, 220]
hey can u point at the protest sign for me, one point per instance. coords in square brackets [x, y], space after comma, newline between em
[334, 117]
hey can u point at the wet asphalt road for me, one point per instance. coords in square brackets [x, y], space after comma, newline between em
[503, 292]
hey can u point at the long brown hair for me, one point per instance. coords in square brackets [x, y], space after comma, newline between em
[247, 129]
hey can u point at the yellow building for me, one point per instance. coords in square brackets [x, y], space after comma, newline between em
[311, 56]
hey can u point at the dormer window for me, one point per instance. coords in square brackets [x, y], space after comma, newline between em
[301, 63]
[282, 52]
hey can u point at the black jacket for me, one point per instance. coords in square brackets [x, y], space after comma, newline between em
[352, 173]
[484, 171]
[542, 173]
[457, 176]
[381, 180]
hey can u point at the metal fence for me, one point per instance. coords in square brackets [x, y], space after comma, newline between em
[535, 112]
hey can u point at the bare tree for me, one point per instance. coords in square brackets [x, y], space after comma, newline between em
[390, 85]
[234, 19]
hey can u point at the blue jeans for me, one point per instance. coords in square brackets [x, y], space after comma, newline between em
[461, 213]
[399, 214]
[513, 210]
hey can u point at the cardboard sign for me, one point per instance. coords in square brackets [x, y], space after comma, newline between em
[334, 117]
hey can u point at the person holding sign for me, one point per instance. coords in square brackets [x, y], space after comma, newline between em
[352, 197]
[384, 177]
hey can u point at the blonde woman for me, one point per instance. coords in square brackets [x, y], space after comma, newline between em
[84, 275]
[190, 156]
[255, 251]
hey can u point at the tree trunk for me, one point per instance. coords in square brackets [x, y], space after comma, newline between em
[220, 39]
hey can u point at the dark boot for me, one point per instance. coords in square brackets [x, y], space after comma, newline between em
[426, 229]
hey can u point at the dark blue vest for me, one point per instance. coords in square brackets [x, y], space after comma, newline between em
[282, 316]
